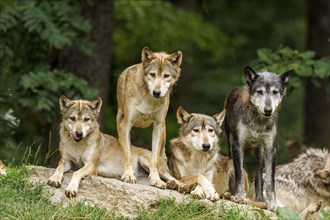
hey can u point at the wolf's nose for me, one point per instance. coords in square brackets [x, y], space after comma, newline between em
[268, 111]
[206, 147]
[156, 93]
[79, 134]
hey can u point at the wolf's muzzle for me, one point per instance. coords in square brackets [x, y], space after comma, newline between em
[77, 136]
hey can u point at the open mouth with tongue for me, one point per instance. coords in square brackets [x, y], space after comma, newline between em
[77, 136]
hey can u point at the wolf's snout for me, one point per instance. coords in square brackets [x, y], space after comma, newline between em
[77, 136]
[156, 93]
[268, 111]
[206, 146]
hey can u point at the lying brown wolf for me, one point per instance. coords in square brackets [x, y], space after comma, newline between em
[82, 143]
[196, 160]
[143, 94]
[304, 184]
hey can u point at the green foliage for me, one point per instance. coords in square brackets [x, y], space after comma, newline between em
[286, 213]
[303, 62]
[31, 33]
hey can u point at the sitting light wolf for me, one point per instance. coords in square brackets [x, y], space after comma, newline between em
[143, 94]
[94, 152]
[251, 121]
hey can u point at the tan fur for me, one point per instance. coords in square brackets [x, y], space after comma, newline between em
[139, 106]
[3, 169]
[96, 153]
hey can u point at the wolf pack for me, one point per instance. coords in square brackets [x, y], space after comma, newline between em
[249, 120]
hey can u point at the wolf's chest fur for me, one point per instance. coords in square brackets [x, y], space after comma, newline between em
[193, 162]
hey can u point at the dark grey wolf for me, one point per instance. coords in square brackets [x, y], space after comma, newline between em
[94, 152]
[251, 121]
[143, 94]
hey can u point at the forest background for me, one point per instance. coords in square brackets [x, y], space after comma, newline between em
[79, 48]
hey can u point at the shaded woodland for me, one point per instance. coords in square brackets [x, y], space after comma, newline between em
[79, 48]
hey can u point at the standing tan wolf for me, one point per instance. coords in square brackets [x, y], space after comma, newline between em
[143, 94]
[251, 122]
[94, 152]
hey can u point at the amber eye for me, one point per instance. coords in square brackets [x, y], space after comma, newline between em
[196, 130]
[260, 92]
[153, 75]
[86, 119]
[211, 130]
[275, 92]
[72, 118]
[166, 75]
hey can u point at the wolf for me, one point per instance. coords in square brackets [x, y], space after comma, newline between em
[196, 159]
[305, 181]
[251, 121]
[143, 94]
[3, 169]
[195, 152]
[94, 152]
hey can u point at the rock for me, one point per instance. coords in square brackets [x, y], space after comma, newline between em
[117, 196]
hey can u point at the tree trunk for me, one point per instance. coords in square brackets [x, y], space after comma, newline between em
[317, 102]
[96, 68]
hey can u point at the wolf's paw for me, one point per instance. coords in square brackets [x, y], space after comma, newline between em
[71, 191]
[273, 205]
[241, 199]
[158, 183]
[128, 178]
[171, 184]
[198, 193]
[54, 181]
[211, 194]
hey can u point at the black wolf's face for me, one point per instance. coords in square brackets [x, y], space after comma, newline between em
[266, 90]
[200, 131]
[161, 71]
[79, 116]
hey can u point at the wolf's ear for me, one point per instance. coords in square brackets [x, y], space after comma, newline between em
[65, 103]
[220, 117]
[96, 105]
[146, 56]
[176, 58]
[250, 75]
[182, 116]
[285, 76]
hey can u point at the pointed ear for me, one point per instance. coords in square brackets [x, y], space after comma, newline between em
[176, 58]
[96, 105]
[285, 76]
[182, 116]
[65, 103]
[146, 56]
[220, 117]
[250, 75]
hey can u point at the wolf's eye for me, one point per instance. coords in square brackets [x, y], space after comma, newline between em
[72, 118]
[196, 130]
[153, 75]
[275, 92]
[166, 75]
[211, 130]
[260, 92]
[86, 119]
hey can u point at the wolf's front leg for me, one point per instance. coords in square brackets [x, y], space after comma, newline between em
[157, 141]
[56, 179]
[259, 182]
[238, 155]
[124, 128]
[206, 183]
[270, 164]
[72, 189]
